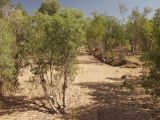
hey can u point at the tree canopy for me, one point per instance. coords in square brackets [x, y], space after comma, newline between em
[49, 7]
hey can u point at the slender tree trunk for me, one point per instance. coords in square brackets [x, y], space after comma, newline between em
[133, 50]
[49, 98]
[1, 88]
[102, 50]
[64, 89]
[133, 47]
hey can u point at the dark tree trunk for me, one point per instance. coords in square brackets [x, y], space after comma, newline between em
[133, 47]
[1, 87]
[64, 90]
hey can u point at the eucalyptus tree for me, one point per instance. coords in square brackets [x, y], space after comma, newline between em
[106, 32]
[156, 26]
[53, 49]
[6, 56]
[134, 29]
[139, 29]
[123, 10]
[39, 55]
[71, 36]
[147, 36]
[114, 34]
[20, 26]
[96, 31]
[146, 30]
[152, 83]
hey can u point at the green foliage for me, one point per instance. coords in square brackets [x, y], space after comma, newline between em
[2, 4]
[106, 33]
[21, 26]
[156, 26]
[49, 7]
[114, 33]
[134, 29]
[57, 38]
[152, 83]
[53, 48]
[140, 32]
[6, 52]
[147, 37]
[96, 29]
[21, 8]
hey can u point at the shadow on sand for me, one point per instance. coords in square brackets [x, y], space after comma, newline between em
[114, 103]
[13, 104]
[110, 103]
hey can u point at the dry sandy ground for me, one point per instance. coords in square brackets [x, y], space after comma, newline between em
[95, 94]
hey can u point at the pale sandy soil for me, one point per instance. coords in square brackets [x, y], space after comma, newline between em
[95, 94]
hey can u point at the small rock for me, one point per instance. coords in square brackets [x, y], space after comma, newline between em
[126, 76]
